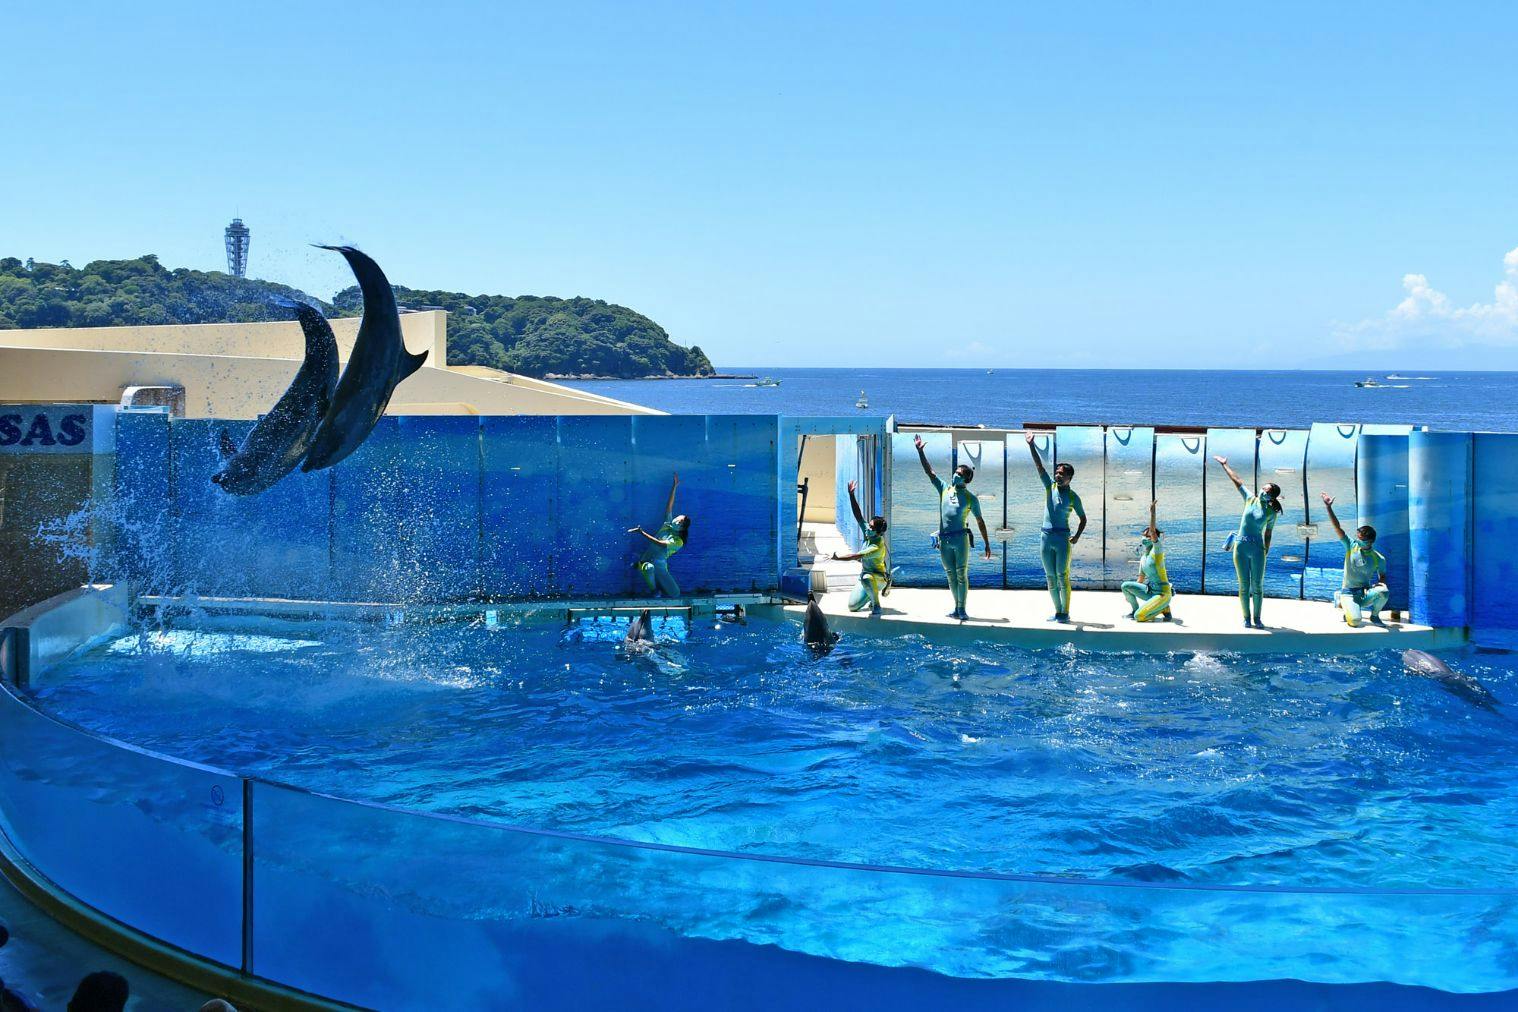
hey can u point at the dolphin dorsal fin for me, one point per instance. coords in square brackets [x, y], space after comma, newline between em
[409, 364]
[227, 447]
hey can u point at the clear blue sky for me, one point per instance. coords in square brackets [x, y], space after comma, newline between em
[801, 184]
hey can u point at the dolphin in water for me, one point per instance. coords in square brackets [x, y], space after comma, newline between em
[378, 364]
[640, 635]
[815, 632]
[281, 438]
[1426, 665]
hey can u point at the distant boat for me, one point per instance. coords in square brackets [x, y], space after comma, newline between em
[990, 372]
[767, 381]
[1394, 376]
[1370, 382]
[863, 401]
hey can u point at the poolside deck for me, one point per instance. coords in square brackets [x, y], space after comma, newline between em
[1098, 622]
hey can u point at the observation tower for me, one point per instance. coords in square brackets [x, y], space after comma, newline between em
[237, 236]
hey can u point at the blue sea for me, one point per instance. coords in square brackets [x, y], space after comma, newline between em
[1007, 398]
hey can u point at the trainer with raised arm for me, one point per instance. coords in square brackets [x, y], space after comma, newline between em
[1059, 501]
[1251, 544]
[954, 538]
[653, 564]
[1364, 590]
[874, 559]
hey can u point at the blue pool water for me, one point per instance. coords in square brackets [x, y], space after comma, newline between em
[1284, 770]
[1332, 774]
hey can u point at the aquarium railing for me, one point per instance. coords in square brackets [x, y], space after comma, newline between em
[372, 905]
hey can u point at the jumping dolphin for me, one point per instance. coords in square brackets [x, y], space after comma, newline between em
[282, 437]
[815, 632]
[640, 636]
[1426, 665]
[378, 364]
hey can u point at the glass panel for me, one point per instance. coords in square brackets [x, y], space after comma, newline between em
[986, 453]
[1129, 490]
[393, 910]
[1084, 447]
[1178, 468]
[846, 468]
[914, 508]
[1331, 469]
[1223, 502]
[152, 843]
[1025, 510]
[1283, 460]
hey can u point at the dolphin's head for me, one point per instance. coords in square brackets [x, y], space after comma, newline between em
[235, 476]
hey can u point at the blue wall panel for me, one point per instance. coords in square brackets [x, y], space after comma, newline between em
[1381, 489]
[1283, 460]
[1224, 504]
[1025, 510]
[987, 454]
[1084, 447]
[271, 544]
[732, 496]
[142, 514]
[406, 512]
[595, 552]
[1129, 487]
[1331, 469]
[1179, 466]
[1494, 477]
[914, 508]
[1439, 522]
[519, 504]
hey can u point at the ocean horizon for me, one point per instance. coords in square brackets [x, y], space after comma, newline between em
[1009, 398]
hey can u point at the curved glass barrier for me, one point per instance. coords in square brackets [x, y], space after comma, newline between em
[386, 908]
[381, 907]
[153, 843]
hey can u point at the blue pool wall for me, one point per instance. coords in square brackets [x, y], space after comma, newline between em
[459, 508]
[450, 508]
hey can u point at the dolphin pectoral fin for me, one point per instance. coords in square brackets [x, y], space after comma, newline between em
[409, 364]
[227, 447]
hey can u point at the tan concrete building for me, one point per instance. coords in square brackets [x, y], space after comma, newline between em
[238, 370]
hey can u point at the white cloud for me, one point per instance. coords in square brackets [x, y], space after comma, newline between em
[1426, 315]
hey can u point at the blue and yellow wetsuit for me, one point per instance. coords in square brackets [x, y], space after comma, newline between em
[874, 565]
[654, 563]
[1058, 505]
[1150, 594]
[954, 501]
[1255, 523]
[1363, 590]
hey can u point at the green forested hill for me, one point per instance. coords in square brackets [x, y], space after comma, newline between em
[540, 335]
[533, 335]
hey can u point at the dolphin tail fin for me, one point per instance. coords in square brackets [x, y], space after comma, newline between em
[410, 363]
[225, 444]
